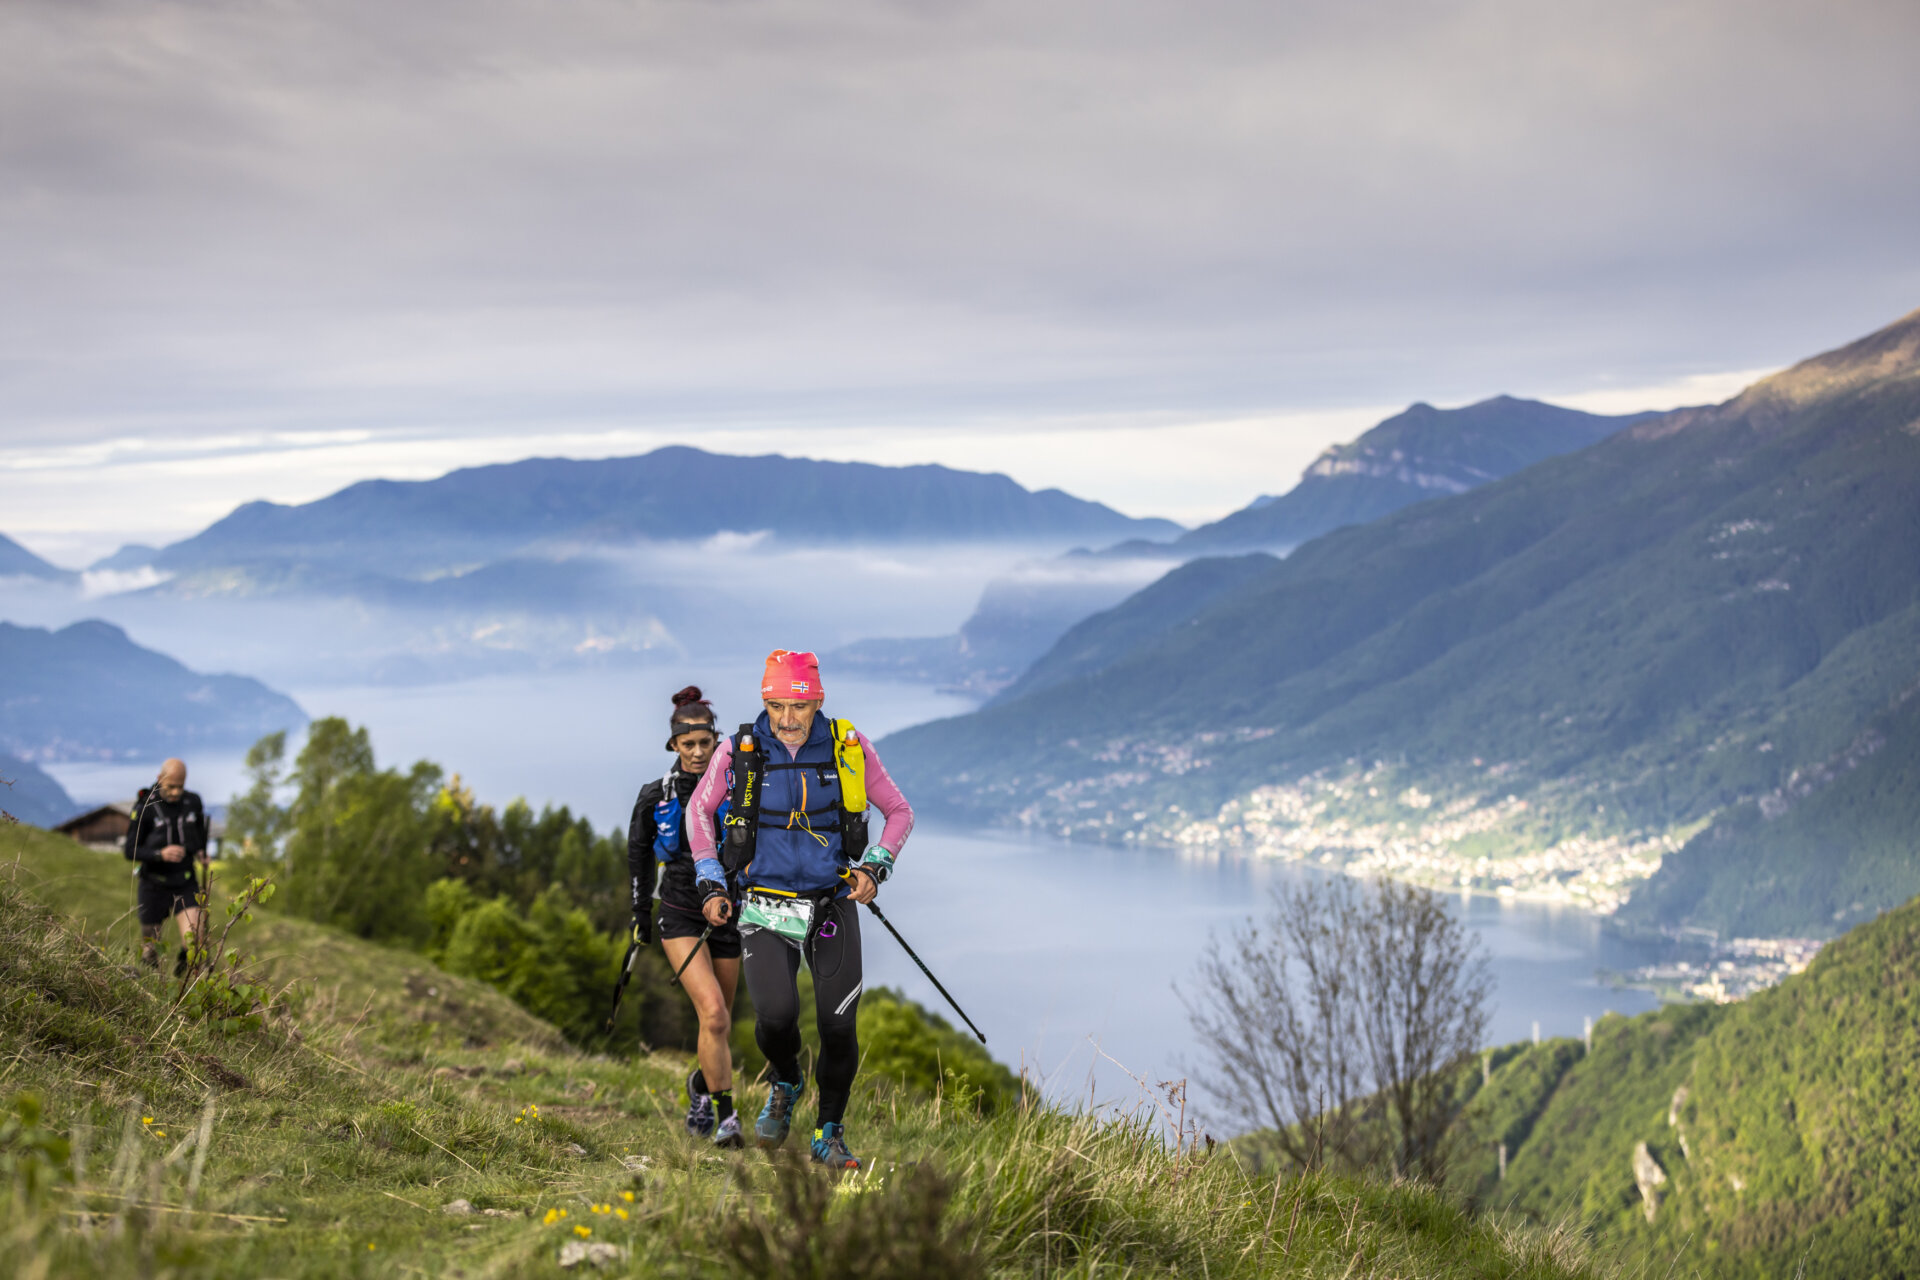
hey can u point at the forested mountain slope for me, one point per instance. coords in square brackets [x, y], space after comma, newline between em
[1703, 609]
[1779, 1134]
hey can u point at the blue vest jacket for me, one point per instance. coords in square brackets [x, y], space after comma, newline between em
[798, 846]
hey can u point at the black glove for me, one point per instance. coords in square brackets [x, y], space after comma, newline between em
[643, 925]
[711, 889]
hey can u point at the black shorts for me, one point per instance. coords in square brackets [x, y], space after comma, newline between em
[684, 922]
[160, 903]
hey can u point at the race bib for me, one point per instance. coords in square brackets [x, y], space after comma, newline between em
[788, 917]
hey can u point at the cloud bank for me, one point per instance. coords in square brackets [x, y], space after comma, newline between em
[458, 221]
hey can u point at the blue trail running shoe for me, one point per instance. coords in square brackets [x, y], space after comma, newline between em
[699, 1109]
[728, 1134]
[830, 1147]
[770, 1130]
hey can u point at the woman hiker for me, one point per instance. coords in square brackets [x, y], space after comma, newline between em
[657, 836]
[797, 786]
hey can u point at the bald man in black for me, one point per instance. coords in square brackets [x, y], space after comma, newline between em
[167, 839]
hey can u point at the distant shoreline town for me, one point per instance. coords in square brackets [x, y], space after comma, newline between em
[1735, 971]
[1447, 848]
[1310, 821]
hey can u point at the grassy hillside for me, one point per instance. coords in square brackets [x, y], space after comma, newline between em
[1783, 1127]
[1695, 612]
[336, 1138]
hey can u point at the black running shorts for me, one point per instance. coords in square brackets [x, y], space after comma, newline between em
[682, 922]
[160, 903]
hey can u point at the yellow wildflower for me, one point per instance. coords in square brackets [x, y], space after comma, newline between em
[583, 1232]
[620, 1214]
[627, 1196]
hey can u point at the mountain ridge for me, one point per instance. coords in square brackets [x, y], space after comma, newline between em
[1622, 641]
[1417, 454]
[88, 692]
[18, 562]
[1410, 457]
[676, 493]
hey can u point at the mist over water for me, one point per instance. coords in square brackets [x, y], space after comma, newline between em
[720, 599]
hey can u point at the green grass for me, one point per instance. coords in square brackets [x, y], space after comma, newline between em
[339, 1131]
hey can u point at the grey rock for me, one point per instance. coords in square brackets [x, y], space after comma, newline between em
[1649, 1177]
[575, 1252]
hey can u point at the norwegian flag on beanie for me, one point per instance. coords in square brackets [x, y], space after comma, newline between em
[791, 675]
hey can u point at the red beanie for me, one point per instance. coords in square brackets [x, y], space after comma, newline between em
[791, 675]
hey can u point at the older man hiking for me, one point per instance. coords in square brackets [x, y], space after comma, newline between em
[795, 843]
[168, 837]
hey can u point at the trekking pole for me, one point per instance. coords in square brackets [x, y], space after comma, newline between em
[691, 954]
[923, 968]
[626, 972]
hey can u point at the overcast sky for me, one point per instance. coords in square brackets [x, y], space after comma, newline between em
[1156, 253]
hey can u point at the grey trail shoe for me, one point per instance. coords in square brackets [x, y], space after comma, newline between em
[770, 1130]
[699, 1109]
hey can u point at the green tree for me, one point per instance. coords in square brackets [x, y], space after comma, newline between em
[357, 853]
[519, 854]
[550, 960]
[256, 822]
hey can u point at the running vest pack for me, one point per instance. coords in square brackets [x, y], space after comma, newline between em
[668, 814]
[833, 772]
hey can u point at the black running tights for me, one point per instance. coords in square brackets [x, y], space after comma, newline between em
[772, 967]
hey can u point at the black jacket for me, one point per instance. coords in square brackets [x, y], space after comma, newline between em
[159, 823]
[676, 877]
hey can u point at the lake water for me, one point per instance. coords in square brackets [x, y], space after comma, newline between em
[1060, 952]
[1063, 953]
